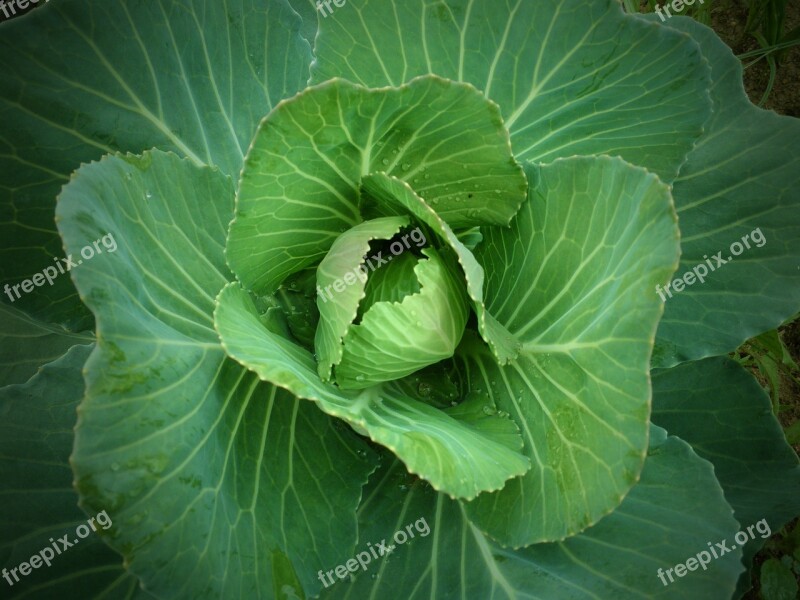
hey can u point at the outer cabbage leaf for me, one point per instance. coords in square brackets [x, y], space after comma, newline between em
[82, 79]
[571, 77]
[39, 504]
[307, 9]
[724, 413]
[571, 279]
[744, 175]
[26, 344]
[219, 485]
[671, 514]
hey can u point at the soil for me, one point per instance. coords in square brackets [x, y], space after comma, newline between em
[728, 18]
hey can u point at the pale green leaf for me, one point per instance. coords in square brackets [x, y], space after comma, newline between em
[456, 457]
[300, 184]
[342, 268]
[397, 196]
[392, 282]
[395, 339]
[578, 265]
[219, 485]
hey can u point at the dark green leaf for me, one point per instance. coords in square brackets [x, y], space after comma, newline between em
[722, 411]
[84, 79]
[667, 518]
[39, 503]
[571, 77]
